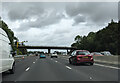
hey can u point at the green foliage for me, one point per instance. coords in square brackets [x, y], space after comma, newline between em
[19, 52]
[10, 34]
[78, 39]
[104, 39]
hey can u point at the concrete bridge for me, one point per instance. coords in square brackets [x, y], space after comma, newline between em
[49, 48]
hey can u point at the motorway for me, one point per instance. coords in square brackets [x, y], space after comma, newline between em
[58, 69]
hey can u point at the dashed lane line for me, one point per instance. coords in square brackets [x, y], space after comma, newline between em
[56, 61]
[68, 67]
[27, 69]
[90, 78]
[33, 62]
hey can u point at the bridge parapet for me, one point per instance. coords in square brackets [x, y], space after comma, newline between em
[46, 47]
[49, 48]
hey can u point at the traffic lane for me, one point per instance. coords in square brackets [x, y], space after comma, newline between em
[37, 72]
[96, 72]
[50, 70]
[20, 67]
[17, 76]
[98, 62]
[66, 59]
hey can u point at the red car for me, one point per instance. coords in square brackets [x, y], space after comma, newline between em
[81, 56]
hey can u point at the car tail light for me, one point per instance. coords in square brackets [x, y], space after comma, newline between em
[78, 58]
[91, 57]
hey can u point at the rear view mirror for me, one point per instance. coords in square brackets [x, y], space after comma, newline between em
[11, 52]
[10, 43]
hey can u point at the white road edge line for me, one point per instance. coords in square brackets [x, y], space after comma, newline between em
[27, 69]
[68, 67]
[107, 66]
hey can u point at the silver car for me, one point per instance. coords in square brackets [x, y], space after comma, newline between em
[54, 55]
[106, 53]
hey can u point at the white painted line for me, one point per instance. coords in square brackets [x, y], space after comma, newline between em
[56, 61]
[107, 66]
[68, 67]
[33, 62]
[51, 59]
[90, 77]
[27, 69]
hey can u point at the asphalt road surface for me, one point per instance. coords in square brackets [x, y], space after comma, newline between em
[58, 69]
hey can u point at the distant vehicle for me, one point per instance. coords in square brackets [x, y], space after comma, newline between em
[107, 53]
[42, 56]
[96, 54]
[36, 54]
[64, 53]
[54, 55]
[7, 62]
[30, 54]
[81, 56]
[20, 56]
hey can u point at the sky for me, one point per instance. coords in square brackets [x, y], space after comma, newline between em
[56, 23]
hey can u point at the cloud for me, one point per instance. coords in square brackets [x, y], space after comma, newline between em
[51, 13]
[22, 10]
[79, 19]
[44, 14]
[56, 24]
[97, 12]
[56, 35]
[42, 22]
[51, 18]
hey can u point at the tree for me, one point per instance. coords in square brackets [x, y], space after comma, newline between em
[78, 39]
[12, 38]
[107, 38]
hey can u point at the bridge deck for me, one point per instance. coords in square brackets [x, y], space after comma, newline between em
[45, 47]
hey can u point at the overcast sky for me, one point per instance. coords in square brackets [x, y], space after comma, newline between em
[56, 23]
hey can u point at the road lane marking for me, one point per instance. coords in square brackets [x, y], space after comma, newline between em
[68, 67]
[107, 66]
[33, 62]
[90, 77]
[51, 59]
[56, 61]
[27, 69]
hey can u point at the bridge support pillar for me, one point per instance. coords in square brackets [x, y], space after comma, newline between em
[49, 51]
[67, 52]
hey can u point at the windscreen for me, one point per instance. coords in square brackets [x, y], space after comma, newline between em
[83, 53]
